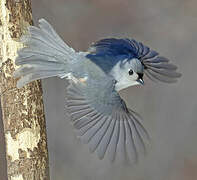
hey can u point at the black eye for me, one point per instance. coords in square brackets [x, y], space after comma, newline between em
[130, 72]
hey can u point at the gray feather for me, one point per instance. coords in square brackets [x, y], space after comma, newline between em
[159, 77]
[44, 55]
[97, 138]
[46, 27]
[122, 140]
[114, 142]
[162, 66]
[32, 77]
[87, 136]
[157, 68]
[158, 59]
[88, 126]
[110, 131]
[165, 72]
[145, 51]
[138, 141]
[150, 55]
[106, 140]
[82, 122]
[139, 127]
[131, 149]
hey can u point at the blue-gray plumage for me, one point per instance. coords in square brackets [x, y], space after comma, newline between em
[98, 113]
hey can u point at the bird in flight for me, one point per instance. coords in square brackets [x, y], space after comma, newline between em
[98, 113]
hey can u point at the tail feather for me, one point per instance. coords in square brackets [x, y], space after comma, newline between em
[38, 39]
[45, 55]
[34, 76]
[26, 69]
[33, 57]
[46, 27]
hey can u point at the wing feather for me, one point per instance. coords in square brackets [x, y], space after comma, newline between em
[84, 121]
[110, 131]
[89, 130]
[130, 48]
[122, 140]
[138, 141]
[114, 141]
[106, 140]
[131, 149]
[160, 77]
[96, 139]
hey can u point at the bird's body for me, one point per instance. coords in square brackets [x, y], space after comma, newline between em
[98, 113]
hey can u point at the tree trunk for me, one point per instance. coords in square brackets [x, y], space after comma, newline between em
[22, 109]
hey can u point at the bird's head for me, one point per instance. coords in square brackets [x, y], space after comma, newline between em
[128, 73]
[127, 60]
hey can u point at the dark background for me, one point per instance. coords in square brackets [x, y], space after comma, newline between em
[169, 111]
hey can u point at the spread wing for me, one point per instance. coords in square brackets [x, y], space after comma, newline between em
[103, 121]
[157, 68]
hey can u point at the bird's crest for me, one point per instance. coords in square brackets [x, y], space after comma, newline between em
[113, 47]
[121, 47]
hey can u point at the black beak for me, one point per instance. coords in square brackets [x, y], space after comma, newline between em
[140, 78]
[141, 81]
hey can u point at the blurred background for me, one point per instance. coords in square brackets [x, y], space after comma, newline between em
[169, 111]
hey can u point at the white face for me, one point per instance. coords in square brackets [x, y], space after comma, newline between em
[122, 75]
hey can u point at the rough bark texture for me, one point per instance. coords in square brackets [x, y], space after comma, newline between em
[22, 109]
[3, 167]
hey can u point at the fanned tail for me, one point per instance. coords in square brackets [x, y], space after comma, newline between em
[45, 55]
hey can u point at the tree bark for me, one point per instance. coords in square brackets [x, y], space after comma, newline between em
[22, 109]
[3, 167]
